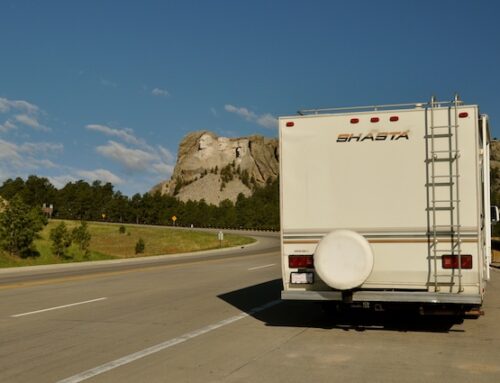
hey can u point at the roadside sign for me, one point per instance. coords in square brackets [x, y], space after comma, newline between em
[174, 218]
[220, 237]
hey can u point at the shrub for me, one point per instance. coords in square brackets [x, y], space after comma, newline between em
[61, 239]
[140, 246]
[122, 229]
[82, 237]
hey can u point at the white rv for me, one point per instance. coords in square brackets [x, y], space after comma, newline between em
[387, 204]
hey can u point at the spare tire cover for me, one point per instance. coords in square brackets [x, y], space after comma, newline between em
[343, 259]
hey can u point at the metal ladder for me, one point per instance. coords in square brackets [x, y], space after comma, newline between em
[443, 215]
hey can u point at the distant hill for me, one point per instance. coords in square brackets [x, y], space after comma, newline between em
[217, 168]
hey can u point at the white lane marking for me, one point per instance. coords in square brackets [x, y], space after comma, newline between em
[162, 346]
[261, 267]
[58, 307]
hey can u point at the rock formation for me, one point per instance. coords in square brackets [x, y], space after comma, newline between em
[217, 168]
[495, 166]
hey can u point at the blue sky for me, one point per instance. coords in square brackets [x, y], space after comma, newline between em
[107, 89]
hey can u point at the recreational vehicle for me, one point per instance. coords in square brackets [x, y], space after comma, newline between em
[387, 204]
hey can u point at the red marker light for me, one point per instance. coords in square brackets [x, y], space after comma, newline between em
[300, 261]
[290, 123]
[374, 119]
[451, 261]
[394, 118]
[354, 120]
[463, 115]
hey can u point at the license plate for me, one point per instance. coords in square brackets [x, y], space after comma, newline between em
[301, 278]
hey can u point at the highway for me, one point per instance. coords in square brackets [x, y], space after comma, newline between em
[217, 317]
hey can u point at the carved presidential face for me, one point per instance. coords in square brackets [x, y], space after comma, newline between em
[205, 141]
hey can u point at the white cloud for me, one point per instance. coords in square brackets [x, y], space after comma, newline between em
[31, 122]
[108, 83]
[6, 126]
[166, 154]
[243, 112]
[126, 135]
[131, 159]
[214, 112]
[163, 168]
[266, 120]
[142, 157]
[47, 148]
[101, 175]
[25, 157]
[60, 181]
[137, 160]
[21, 111]
[9, 152]
[24, 106]
[160, 92]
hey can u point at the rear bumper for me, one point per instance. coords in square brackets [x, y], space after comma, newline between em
[383, 296]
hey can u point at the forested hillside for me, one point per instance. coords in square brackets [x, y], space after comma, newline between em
[100, 202]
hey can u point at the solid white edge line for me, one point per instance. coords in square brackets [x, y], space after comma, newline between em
[261, 267]
[162, 346]
[58, 307]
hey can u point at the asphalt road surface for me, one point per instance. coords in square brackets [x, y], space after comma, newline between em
[218, 318]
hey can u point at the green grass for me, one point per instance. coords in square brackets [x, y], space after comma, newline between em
[108, 243]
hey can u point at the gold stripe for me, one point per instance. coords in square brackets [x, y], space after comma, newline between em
[472, 240]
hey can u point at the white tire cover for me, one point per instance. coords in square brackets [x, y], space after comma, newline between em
[343, 259]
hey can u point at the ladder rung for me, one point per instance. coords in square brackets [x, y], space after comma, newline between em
[439, 135]
[446, 176]
[443, 126]
[441, 208]
[441, 283]
[450, 226]
[442, 159]
[444, 151]
[440, 251]
[446, 200]
[440, 184]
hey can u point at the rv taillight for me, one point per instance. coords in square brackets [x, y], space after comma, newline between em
[374, 119]
[354, 120]
[290, 123]
[393, 118]
[450, 261]
[463, 115]
[300, 261]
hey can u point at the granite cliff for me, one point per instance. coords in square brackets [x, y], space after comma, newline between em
[217, 168]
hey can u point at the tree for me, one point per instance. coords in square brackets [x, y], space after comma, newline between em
[19, 226]
[82, 237]
[61, 239]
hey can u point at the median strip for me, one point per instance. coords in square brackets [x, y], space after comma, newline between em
[58, 307]
[162, 346]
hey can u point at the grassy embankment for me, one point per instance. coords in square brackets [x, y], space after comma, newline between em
[108, 243]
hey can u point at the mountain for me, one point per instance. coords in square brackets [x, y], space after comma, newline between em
[217, 168]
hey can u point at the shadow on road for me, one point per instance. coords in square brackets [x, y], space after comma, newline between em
[315, 315]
